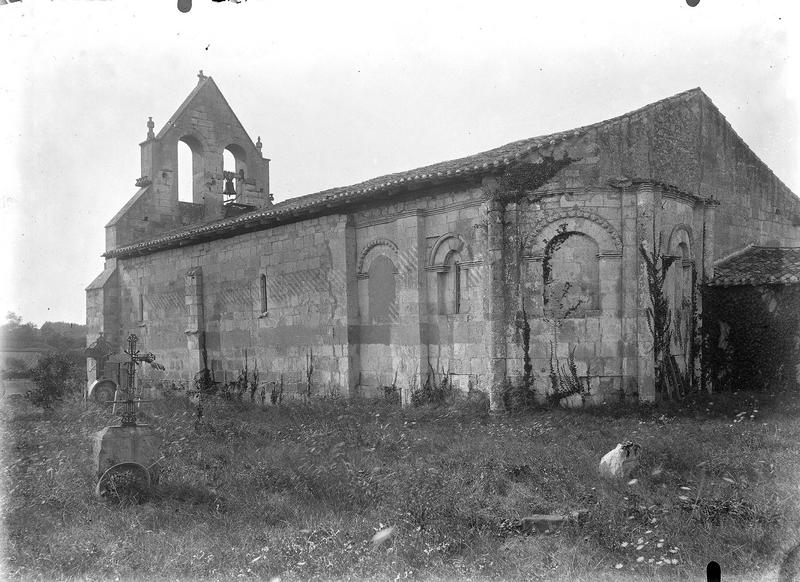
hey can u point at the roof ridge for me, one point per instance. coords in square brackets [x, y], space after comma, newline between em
[182, 107]
[487, 160]
[519, 142]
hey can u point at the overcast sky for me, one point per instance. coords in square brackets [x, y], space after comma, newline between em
[343, 91]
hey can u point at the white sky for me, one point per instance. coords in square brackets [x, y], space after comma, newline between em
[343, 91]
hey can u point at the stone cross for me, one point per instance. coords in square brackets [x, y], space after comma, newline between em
[129, 410]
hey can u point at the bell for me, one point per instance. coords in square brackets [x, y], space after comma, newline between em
[230, 189]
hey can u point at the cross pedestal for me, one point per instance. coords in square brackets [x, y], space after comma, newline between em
[138, 444]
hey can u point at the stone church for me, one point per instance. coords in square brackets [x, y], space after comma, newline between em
[484, 269]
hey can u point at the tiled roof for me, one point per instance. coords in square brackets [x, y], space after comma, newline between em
[477, 164]
[758, 266]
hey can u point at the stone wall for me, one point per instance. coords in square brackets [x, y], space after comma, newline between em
[330, 281]
[210, 293]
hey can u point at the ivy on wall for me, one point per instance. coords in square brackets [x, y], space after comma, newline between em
[751, 337]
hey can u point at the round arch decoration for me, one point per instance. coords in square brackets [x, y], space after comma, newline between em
[681, 233]
[239, 153]
[444, 245]
[577, 220]
[195, 142]
[380, 246]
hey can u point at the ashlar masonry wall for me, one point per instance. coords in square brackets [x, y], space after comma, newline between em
[590, 236]
[211, 293]
[398, 290]
[436, 324]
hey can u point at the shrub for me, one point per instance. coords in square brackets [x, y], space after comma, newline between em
[55, 375]
[518, 396]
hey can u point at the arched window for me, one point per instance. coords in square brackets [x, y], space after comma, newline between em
[140, 309]
[185, 177]
[190, 169]
[571, 274]
[447, 260]
[381, 291]
[682, 298]
[683, 270]
[453, 286]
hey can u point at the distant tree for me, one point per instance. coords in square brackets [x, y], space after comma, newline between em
[12, 319]
[62, 335]
[16, 332]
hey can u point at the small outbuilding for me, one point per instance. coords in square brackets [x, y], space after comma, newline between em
[751, 312]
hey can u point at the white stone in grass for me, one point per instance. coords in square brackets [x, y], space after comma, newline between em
[621, 461]
[640, 559]
[382, 535]
[618, 566]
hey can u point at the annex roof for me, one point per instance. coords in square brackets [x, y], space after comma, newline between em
[757, 265]
[475, 165]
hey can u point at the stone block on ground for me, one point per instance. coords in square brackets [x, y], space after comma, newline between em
[542, 523]
[621, 461]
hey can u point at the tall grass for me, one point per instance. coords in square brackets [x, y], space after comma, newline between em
[299, 491]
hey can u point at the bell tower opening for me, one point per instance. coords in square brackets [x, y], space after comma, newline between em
[234, 171]
[190, 170]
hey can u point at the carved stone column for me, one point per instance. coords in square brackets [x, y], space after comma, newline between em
[647, 229]
[494, 301]
[195, 324]
[709, 214]
[706, 274]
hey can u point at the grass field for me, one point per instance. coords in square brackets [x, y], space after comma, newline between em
[299, 491]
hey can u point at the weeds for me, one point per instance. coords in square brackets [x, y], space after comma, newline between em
[298, 491]
[276, 394]
[660, 320]
[391, 394]
[564, 379]
[436, 390]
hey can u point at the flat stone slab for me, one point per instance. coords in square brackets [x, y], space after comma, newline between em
[542, 523]
[127, 444]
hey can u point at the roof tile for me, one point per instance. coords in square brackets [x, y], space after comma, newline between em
[758, 266]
